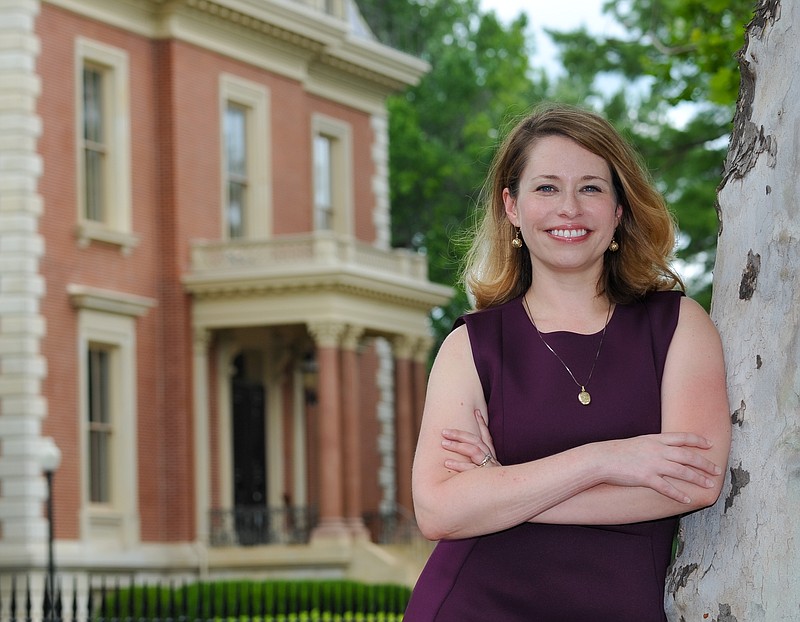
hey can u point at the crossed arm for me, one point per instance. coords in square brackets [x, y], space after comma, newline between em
[620, 481]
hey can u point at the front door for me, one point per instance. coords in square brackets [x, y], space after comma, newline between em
[249, 462]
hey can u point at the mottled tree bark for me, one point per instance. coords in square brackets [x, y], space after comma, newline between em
[740, 560]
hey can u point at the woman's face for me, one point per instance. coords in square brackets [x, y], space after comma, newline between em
[566, 207]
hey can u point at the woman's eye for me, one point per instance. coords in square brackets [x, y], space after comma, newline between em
[591, 189]
[546, 188]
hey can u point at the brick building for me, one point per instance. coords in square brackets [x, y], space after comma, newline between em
[199, 303]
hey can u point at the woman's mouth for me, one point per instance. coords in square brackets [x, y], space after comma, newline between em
[567, 234]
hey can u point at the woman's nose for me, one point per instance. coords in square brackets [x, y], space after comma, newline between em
[570, 206]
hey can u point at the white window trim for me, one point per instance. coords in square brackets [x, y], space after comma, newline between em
[117, 229]
[255, 98]
[109, 318]
[342, 173]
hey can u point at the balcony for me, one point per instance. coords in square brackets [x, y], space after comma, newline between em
[320, 262]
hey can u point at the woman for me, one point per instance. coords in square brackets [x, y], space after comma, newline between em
[581, 408]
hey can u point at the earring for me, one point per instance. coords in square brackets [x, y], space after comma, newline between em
[517, 241]
[613, 247]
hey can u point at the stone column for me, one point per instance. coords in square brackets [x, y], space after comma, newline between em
[404, 419]
[23, 408]
[351, 443]
[202, 448]
[327, 336]
[420, 379]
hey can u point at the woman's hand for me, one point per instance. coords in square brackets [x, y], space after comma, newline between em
[478, 450]
[652, 460]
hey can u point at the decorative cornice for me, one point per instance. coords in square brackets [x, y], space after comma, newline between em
[316, 264]
[256, 24]
[120, 303]
[420, 296]
[327, 43]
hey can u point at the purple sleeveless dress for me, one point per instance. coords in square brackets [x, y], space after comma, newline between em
[551, 573]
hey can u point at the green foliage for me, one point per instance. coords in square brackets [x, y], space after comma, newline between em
[269, 601]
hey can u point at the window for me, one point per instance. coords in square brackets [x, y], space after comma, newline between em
[332, 175]
[103, 132]
[244, 111]
[100, 428]
[108, 389]
[94, 147]
[236, 158]
[323, 183]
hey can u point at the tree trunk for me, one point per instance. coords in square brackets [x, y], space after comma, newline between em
[740, 560]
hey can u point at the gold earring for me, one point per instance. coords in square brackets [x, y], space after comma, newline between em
[517, 241]
[613, 247]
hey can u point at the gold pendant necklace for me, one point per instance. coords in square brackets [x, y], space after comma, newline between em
[584, 397]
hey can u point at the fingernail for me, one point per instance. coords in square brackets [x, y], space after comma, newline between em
[687, 500]
[445, 431]
[446, 443]
[717, 470]
[709, 483]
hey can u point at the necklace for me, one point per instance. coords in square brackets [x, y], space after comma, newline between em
[583, 395]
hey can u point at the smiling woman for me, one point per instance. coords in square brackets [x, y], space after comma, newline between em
[581, 408]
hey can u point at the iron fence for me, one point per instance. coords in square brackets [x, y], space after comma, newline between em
[395, 526]
[228, 601]
[250, 526]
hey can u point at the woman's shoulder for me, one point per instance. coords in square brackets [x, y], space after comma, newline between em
[486, 315]
[662, 303]
[664, 297]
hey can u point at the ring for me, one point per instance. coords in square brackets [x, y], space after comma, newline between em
[486, 458]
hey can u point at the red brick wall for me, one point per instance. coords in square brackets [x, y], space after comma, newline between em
[174, 91]
[98, 265]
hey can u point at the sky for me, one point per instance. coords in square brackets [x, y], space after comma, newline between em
[564, 15]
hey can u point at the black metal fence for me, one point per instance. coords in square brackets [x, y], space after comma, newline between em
[254, 526]
[250, 526]
[242, 601]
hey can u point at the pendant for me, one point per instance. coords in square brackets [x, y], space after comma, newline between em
[584, 397]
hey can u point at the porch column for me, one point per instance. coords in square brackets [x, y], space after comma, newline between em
[351, 443]
[404, 419]
[327, 337]
[420, 378]
[202, 469]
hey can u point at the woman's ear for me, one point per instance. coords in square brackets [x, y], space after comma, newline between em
[510, 204]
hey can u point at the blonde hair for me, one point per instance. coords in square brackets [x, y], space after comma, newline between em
[495, 272]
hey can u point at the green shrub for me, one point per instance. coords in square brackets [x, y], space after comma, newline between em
[260, 601]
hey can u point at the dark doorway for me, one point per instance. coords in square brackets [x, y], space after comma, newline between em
[249, 457]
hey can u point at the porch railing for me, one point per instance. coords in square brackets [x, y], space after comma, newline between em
[396, 526]
[293, 525]
[245, 526]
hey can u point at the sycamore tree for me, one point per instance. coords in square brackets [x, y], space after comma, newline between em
[739, 560]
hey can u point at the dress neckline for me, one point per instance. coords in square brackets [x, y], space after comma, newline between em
[521, 308]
